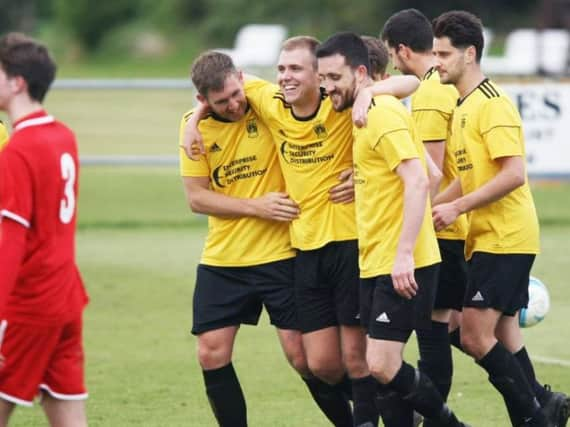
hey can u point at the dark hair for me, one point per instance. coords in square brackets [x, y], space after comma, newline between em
[22, 56]
[409, 27]
[462, 28]
[377, 55]
[209, 71]
[347, 44]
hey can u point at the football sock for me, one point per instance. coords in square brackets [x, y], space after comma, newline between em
[394, 410]
[331, 401]
[455, 339]
[526, 365]
[508, 378]
[364, 406]
[225, 396]
[435, 356]
[418, 390]
[345, 387]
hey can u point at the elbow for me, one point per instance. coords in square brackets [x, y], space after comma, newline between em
[517, 179]
[422, 184]
[195, 205]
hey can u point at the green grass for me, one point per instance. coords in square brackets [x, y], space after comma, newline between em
[138, 247]
[141, 361]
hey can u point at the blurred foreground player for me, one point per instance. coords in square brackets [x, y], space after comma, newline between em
[41, 292]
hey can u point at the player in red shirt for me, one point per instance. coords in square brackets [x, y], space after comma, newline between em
[41, 292]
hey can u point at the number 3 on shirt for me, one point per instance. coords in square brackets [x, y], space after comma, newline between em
[67, 205]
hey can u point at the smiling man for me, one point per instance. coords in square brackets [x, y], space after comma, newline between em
[247, 261]
[398, 252]
[314, 147]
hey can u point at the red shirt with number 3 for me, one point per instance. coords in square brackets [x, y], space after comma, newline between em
[39, 171]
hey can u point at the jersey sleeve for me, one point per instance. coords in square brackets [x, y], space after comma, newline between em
[394, 141]
[501, 128]
[432, 125]
[189, 167]
[16, 200]
[259, 94]
[397, 146]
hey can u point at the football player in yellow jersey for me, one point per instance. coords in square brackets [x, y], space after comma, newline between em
[314, 146]
[247, 260]
[408, 36]
[3, 135]
[398, 253]
[503, 236]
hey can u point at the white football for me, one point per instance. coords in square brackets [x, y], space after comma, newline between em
[538, 304]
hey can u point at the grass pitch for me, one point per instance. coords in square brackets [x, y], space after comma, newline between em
[138, 247]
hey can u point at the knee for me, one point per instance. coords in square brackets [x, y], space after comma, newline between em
[385, 368]
[355, 362]
[329, 371]
[298, 361]
[213, 356]
[474, 344]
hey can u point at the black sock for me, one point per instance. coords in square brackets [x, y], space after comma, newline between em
[435, 356]
[526, 365]
[418, 390]
[225, 396]
[331, 401]
[364, 407]
[345, 387]
[395, 412]
[508, 378]
[455, 339]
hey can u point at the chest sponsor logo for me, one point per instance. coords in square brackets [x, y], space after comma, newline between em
[304, 154]
[236, 170]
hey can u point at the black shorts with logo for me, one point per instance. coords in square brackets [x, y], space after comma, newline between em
[452, 275]
[498, 281]
[231, 296]
[326, 286]
[388, 316]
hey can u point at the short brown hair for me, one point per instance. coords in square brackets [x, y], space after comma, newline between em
[377, 54]
[302, 42]
[22, 56]
[210, 70]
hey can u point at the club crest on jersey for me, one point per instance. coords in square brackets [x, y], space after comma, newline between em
[320, 130]
[251, 127]
[215, 148]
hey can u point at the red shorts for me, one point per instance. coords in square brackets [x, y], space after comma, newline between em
[48, 358]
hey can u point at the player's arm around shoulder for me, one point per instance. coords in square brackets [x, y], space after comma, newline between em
[276, 206]
[398, 86]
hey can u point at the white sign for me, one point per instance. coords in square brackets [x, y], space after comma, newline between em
[545, 111]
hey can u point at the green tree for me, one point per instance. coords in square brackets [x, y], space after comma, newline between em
[89, 20]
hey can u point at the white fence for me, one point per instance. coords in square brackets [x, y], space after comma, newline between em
[544, 107]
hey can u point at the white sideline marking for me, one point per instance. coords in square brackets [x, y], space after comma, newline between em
[551, 361]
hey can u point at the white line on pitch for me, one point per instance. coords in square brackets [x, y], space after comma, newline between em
[551, 361]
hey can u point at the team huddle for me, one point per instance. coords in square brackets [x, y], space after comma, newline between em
[355, 223]
[353, 220]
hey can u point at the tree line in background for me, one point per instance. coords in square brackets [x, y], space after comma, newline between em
[89, 21]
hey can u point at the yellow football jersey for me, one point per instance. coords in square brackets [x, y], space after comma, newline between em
[312, 152]
[240, 161]
[379, 148]
[3, 135]
[486, 126]
[432, 108]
